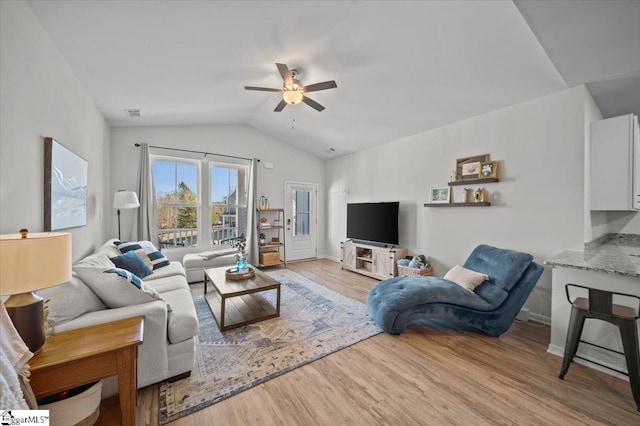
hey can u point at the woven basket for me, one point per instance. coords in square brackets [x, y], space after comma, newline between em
[415, 272]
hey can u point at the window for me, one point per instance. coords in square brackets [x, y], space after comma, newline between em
[228, 202]
[176, 186]
[199, 198]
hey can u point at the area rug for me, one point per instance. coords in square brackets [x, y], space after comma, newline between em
[314, 322]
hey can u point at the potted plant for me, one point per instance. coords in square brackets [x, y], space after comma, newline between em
[263, 238]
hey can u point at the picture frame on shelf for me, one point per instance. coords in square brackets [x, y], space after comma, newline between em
[469, 160]
[440, 195]
[488, 169]
[471, 170]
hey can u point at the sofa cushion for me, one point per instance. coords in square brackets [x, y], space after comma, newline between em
[504, 267]
[116, 287]
[132, 263]
[157, 259]
[168, 283]
[171, 270]
[70, 300]
[194, 260]
[183, 320]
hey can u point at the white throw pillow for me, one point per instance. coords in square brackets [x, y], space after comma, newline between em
[465, 278]
[118, 288]
[70, 300]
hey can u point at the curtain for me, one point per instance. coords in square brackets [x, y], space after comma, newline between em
[252, 242]
[146, 223]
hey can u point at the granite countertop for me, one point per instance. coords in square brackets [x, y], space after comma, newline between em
[613, 254]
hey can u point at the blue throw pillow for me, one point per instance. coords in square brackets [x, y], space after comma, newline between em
[156, 258]
[132, 263]
[130, 277]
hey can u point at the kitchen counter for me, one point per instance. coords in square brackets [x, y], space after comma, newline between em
[613, 254]
[610, 263]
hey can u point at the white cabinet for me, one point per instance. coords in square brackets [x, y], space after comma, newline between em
[374, 261]
[348, 256]
[615, 164]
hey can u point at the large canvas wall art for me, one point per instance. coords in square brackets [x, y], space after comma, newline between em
[65, 187]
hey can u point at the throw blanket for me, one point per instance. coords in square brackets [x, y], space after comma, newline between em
[216, 253]
[14, 370]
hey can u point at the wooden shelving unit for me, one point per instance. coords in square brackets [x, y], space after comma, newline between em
[486, 204]
[268, 249]
[473, 181]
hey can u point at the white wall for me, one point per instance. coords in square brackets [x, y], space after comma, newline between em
[41, 97]
[537, 207]
[290, 164]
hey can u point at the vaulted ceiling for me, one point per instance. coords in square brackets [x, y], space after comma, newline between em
[401, 67]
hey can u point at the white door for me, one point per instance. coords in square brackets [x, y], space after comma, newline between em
[300, 220]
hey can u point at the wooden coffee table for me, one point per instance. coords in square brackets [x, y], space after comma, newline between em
[239, 303]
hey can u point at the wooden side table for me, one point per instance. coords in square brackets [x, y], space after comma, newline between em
[77, 357]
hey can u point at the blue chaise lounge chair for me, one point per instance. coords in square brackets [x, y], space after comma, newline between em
[491, 307]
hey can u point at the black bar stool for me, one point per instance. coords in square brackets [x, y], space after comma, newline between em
[600, 305]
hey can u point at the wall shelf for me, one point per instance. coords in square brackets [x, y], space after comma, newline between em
[457, 204]
[473, 182]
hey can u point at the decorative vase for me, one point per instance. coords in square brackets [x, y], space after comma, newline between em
[241, 263]
[264, 202]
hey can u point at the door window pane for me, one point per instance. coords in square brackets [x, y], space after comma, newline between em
[301, 200]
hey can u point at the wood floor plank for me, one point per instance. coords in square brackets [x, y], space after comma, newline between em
[432, 374]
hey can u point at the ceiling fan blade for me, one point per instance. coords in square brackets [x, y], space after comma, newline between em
[313, 104]
[286, 74]
[262, 89]
[280, 106]
[320, 86]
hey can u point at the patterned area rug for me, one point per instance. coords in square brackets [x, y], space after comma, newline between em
[314, 321]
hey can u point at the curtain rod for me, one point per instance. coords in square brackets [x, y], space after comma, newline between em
[198, 152]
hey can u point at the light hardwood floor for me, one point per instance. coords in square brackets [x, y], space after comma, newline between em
[429, 375]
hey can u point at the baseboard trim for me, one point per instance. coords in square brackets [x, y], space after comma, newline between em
[334, 259]
[539, 318]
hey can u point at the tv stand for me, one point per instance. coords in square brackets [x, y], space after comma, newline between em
[371, 259]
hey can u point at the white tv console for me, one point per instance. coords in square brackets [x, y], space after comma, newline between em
[374, 261]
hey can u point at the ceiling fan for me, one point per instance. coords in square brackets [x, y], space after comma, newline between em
[293, 90]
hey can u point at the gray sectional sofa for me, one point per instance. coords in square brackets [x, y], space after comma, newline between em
[170, 320]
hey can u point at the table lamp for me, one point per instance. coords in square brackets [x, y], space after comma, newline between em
[124, 200]
[30, 262]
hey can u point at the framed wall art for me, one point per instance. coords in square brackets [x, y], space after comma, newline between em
[488, 169]
[469, 167]
[65, 187]
[441, 195]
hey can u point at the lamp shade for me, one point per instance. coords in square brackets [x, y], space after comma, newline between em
[40, 260]
[125, 200]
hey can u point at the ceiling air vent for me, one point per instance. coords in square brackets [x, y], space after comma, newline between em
[132, 112]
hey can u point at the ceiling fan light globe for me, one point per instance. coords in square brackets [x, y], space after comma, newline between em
[292, 97]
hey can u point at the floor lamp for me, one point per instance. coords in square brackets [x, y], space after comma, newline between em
[124, 200]
[32, 262]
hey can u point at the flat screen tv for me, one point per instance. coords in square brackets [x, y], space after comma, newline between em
[376, 222]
